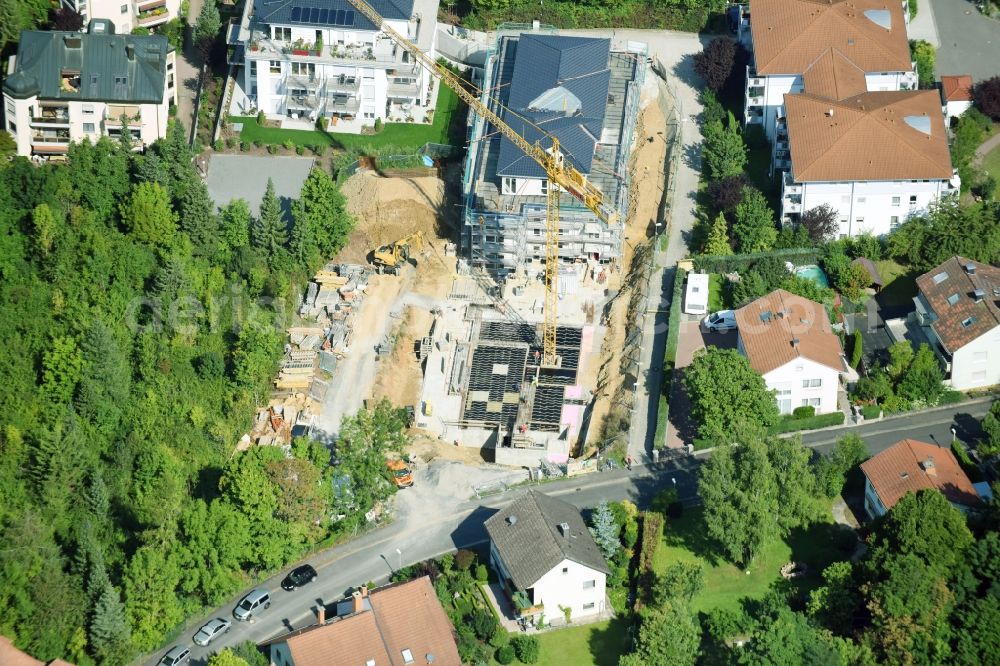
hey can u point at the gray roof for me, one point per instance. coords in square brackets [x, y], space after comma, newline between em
[106, 72]
[561, 85]
[533, 544]
[334, 13]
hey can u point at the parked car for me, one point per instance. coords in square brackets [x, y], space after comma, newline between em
[175, 656]
[253, 602]
[723, 320]
[212, 630]
[298, 577]
[401, 474]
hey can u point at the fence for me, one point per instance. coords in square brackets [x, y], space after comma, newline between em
[432, 150]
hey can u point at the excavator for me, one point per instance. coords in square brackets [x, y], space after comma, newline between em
[390, 258]
[561, 174]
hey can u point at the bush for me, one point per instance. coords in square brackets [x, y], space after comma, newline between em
[482, 573]
[244, 146]
[218, 145]
[987, 97]
[483, 623]
[527, 648]
[464, 559]
[289, 145]
[319, 149]
[924, 55]
[504, 655]
[810, 423]
[857, 348]
[261, 118]
[272, 149]
[378, 125]
[300, 150]
[970, 468]
[231, 142]
[951, 397]
[871, 411]
[804, 412]
[500, 637]
[742, 262]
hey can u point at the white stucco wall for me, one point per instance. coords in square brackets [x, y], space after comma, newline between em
[977, 364]
[788, 382]
[560, 588]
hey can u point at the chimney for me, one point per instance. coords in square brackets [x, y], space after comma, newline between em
[357, 602]
[978, 295]
[130, 51]
[928, 466]
[970, 268]
[795, 343]
[511, 519]
[829, 113]
[321, 614]
[364, 591]
[564, 529]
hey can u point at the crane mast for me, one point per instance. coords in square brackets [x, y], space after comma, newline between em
[561, 175]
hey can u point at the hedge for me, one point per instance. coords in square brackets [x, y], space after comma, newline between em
[871, 411]
[951, 397]
[674, 320]
[810, 423]
[742, 262]
[971, 469]
[652, 532]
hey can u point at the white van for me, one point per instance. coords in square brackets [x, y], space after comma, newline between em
[696, 294]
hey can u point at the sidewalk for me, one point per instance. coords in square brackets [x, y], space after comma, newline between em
[923, 26]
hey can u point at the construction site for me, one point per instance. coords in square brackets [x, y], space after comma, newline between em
[454, 331]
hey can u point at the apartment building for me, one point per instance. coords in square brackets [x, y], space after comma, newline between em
[307, 59]
[587, 96]
[126, 14]
[875, 157]
[790, 38]
[63, 87]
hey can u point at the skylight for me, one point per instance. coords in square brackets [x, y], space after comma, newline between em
[966, 323]
[953, 299]
[556, 100]
[919, 123]
[940, 277]
[880, 17]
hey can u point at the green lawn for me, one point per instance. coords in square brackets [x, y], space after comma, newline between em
[991, 162]
[900, 285]
[402, 135]
[725, 584]
[598, 644]
[716, 301]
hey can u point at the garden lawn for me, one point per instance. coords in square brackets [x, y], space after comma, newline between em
[598, 644]
[991, 163]
[715, 299]
[900, 284]
[408, 136]
[686, 540]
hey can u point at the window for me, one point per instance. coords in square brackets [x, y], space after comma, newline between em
[88, 127]
[979, 375]
[895, 201]
[275, 66]
[953, 299]
[283, 34]
[589, 584]
[811, 402]
[859, 220]
[121, 80]
[88, 109]
[12, 127]
[785, 406]
[845, 199]
[862, 200]
[124, 9]
[913, 199]
[170, 81]
[509, 185]
[545, 187]
[893, 222]
[589, 606]
[812, 383]
[966, 323]
[979, 357]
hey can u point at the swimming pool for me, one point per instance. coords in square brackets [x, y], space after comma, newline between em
[814, 273]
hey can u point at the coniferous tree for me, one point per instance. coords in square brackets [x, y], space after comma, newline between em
[604, 529]
[270, 232]
[718, 238]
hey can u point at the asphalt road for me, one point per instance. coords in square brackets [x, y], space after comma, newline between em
[970, 42]
[420, 534]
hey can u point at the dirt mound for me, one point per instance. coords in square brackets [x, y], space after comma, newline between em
[388, 209]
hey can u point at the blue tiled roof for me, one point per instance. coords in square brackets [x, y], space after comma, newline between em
[543, 62]
[334, 13]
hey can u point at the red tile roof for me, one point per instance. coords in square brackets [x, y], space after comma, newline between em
[11, 656]
[403, 617]
[782, 327]
[903, 468]
[957, 88]
[950, 291]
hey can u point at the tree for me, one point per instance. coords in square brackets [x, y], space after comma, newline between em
[806, 288]
[789, 639]
[324, 212]
[527, 648]
[605, 530]
[198, 217]
[151, 604]
[365, 440]
[226, 658]
[796, 483]
[109, 630]
[991, 427]
[148, 215]
[668, 636]
[715, 62]
[837, 602]
[949, 229]
[923, 54]
[207, 26]
[857, 348]
[923, 378]
[46, 228]
[725, 392]
[270, 231]
[62, 368]
[105, 380]
[236, 220]
[821, 222]
[723, 151]
[681, 580]
[986, 96]
[718, 238]
[8, 147]
[726, 193]
[754, 228]
[67, 20]
[256, 355]
[831, 470]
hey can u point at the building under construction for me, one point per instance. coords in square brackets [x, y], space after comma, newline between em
[585, 94]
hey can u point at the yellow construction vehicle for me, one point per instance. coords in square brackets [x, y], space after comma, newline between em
[560, 173]
[389, 258]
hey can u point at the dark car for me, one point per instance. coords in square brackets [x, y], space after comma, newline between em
[298, 577]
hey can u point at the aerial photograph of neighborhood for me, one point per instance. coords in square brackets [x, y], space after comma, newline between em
[500, 332]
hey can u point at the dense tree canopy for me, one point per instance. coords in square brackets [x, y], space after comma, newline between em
[726, 392]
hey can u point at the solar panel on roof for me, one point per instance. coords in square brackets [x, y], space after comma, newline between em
[296, 13]
[323, 15]
[315, 15]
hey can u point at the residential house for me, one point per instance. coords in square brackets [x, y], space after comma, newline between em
[303, 60]
[546, 558]
[127, 14]
[788, 340]
[875, 157]
[909, 466]
[402, 624]
[958, 309]
[956, 95]
[11, 656]
[585, 94]
[791, 40]
[68, 86]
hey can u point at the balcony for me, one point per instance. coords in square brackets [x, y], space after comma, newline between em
[789, 186]
[524, 606]
[789, 207]
[152, 17]
[146, 5]
[346, 84]
[50, 115]
[379, 55]
[404, 90]
[342, 106]
[782, 163]
[114, 112]
[50, 142]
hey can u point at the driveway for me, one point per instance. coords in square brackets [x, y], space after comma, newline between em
[970, 42]
[245, 177]
[681, 430]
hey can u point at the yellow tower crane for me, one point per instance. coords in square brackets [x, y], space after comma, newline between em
[561, 175]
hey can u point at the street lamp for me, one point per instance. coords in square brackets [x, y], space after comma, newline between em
[954, 433]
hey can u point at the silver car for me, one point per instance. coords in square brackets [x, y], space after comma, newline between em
[176, 656]
[255, 600]
[211, 631]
